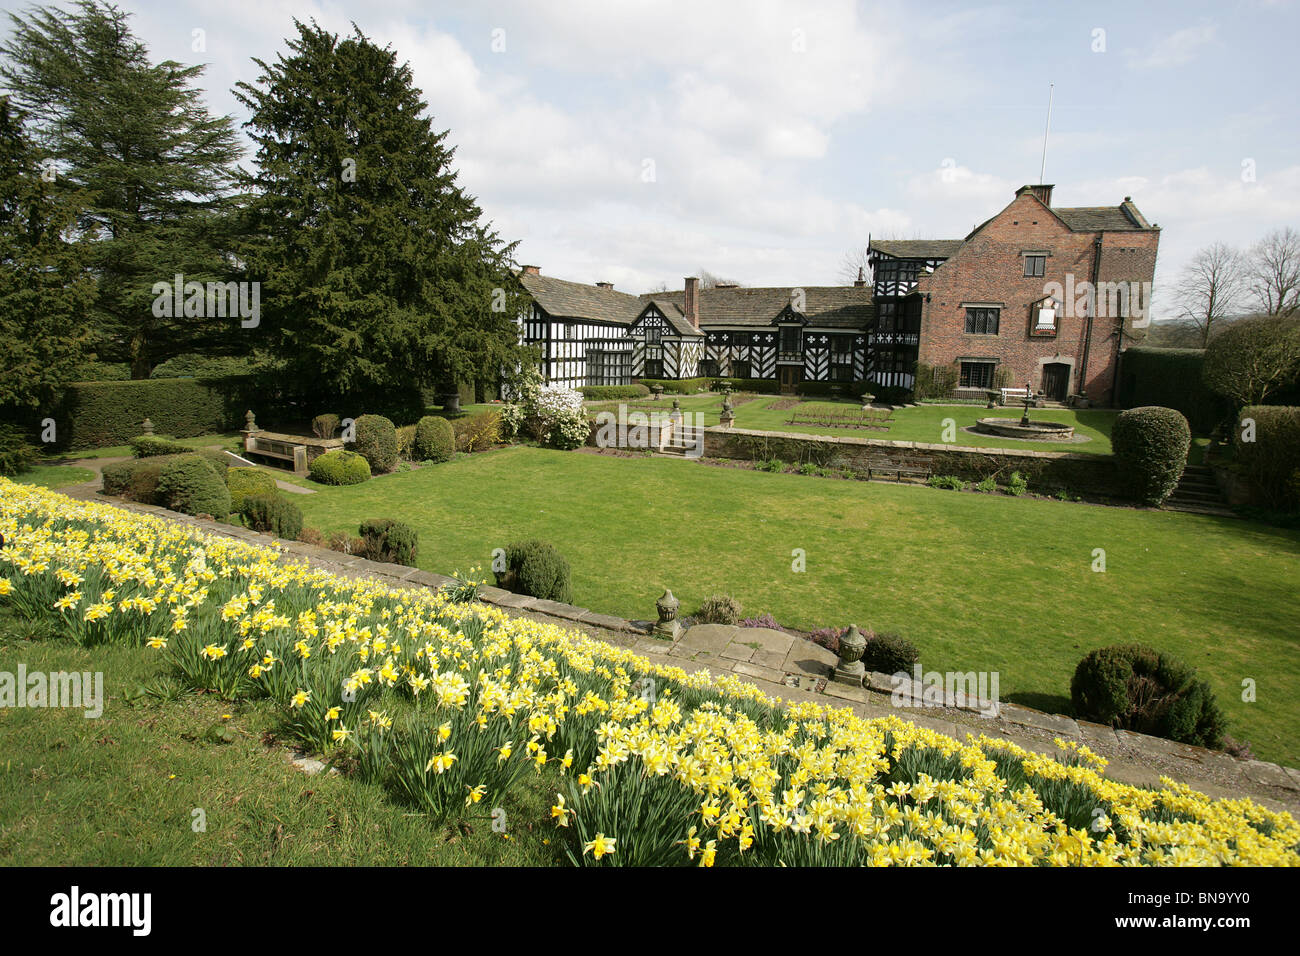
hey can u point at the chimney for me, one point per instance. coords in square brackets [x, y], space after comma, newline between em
[604, 285]
[861, 280]
[530, 270]
[691, 305]
[1042, 190]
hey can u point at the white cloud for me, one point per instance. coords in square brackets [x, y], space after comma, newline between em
[1178, 48]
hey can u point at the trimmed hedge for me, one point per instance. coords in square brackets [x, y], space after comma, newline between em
[390, 541]
[272, 514]
[536, 568]
[1137, 688]
[138, 479]
[1271, 463]
[600, 393]
[243, 482]
[889, 654]
[191, 484]
[676, 386]
[99, 414]
[852, 390]
[1171, 378]
[1150, 446]
[435, 439]
[147, 446]
[767, 386]
[339, 467]
[376, 442]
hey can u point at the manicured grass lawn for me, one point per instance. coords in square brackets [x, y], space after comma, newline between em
[120, 789]
[978, 582]
[230, 440]
[925, 423]
[54, 476]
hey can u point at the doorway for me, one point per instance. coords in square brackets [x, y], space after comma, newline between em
[791, 375]
[1056, 381]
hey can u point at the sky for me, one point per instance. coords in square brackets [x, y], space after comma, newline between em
[641, 141]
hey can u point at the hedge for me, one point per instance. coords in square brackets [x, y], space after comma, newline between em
[138, 478]
[603, 393]
[1271, 462]
[190, 484]
[269, 513]
[678, 386]
[1171, 378]
[762, 385]
[147, 446]
[243, 482]
[847, 389]
[99, 414]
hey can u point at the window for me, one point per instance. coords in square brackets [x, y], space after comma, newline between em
[1035, 265]
[982, 321]
[609, 368]
[653, 334]
[790, 338]
[709, 368]
[654, 368]
[740, 338]
[841, 373]
[976, 374]
[739, 369]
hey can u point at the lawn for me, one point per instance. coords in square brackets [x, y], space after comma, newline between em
[54, 476]
[978, 582]
[924, 423]
[229, 440]
[121, 789]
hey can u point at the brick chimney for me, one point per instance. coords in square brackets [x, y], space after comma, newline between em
[604, 285]
[530, 270]
[691, 306]
[861, 280]
[1042, 190]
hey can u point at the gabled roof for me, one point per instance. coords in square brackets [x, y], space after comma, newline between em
[673, 312]
[847, 307]
[1120, 218]
[574, 300]
[917, 248]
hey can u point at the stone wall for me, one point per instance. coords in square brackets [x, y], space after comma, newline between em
[1092, 475]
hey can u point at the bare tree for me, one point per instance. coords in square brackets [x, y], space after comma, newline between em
[855, 264]
[1210, 287]
[1273, 273]
[657, 288]
[709, 280]
[1254, 358]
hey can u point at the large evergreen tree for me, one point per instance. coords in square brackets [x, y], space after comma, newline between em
[45, 290]
[155, 166]
[377, 273]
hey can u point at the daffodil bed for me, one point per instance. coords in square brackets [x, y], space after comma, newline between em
[446, 702]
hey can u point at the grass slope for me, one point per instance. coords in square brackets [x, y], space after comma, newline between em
[978, 582]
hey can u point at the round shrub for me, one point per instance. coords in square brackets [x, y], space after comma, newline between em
[390, 541]
[1150, 446]
[243, 482]
[189, 483]
[339, 467]
[435, 439]
[536, 568]
[1137, 688]
[375, 440]
[270, 513]
[889, 654]
[719, 609]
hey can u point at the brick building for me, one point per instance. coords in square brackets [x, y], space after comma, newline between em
[1036, 294]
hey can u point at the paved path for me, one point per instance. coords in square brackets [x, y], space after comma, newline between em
[791, 668]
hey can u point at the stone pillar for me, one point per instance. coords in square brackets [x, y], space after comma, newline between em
[249, 431]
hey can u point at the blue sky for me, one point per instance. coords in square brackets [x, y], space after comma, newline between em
[639, 142]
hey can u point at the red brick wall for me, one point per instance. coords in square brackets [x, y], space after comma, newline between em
[990, 269]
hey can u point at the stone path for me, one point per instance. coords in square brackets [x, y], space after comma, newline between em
[791, 668]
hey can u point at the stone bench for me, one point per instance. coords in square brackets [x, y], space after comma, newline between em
[298, 451]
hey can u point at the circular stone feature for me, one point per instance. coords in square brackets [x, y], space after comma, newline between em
[1034, 431]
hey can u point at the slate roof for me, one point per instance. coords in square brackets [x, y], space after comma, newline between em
[562, 299]
[1098, 218]
[833, 307]
[917, 248]
[672, 311]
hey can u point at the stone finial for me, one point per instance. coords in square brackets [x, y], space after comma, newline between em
[146, 427]
[667, 628]
[850, 669]
[250, 422]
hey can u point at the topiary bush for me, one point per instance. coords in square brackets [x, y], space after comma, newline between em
[1150, 446]
[270, 513]
[1137, 688]
[324, 426]
[147, 446]
[889, 653]
[390, 541]
[719, 609]
[191, 484]
[435, 439]
[375, 440]
[243, 482]
[536, 568]
[339, 467]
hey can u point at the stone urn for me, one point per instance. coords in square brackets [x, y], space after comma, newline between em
[850, 669]
[146, 427]
[992, 395]
[656, 391]
[667, 627]
[867, 399]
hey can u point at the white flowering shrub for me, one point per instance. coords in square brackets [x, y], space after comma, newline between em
[562, 423]
[512, 417]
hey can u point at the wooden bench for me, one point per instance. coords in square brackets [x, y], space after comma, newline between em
[1018, 393]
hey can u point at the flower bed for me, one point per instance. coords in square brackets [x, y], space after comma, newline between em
[445, 703]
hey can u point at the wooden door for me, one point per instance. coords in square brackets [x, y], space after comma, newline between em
[1056, 381]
